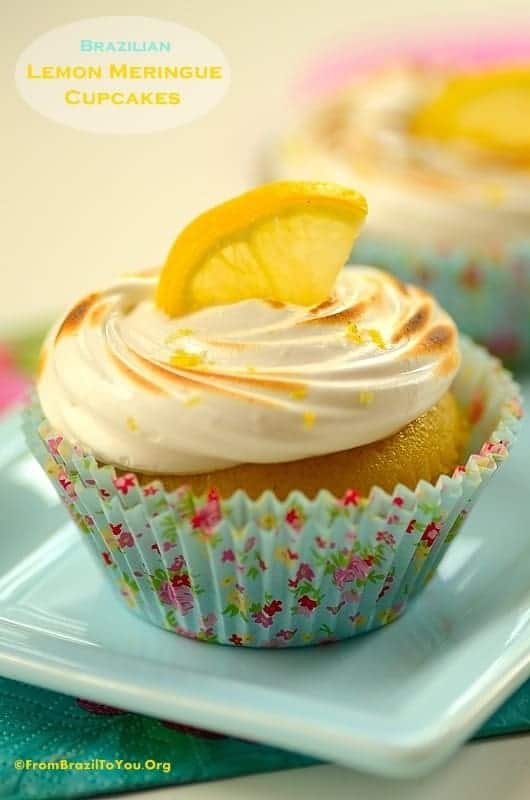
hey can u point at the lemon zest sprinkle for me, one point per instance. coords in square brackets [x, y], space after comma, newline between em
[299, 394]
[376, 337]
[178, 334]
[132, 424]
[309, 418]
[366, 398]
[357, 335]
[192, 400]
[186, 360]
[353, 334]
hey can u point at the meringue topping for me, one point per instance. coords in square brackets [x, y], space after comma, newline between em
[250, 382]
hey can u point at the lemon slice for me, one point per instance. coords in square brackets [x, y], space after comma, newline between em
[489, 109]
[282, 242]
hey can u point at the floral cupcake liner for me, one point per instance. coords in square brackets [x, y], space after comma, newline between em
[272, 573]
[486, 292]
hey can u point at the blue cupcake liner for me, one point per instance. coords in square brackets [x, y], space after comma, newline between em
[487, 293]
[278, 573]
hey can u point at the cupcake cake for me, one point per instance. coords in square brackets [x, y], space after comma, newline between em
[264, 448]
[439, 139]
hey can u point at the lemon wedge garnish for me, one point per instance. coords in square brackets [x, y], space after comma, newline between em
[489, 109]
[283, 242]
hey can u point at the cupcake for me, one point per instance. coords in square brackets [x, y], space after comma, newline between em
[263, 448]
[439, 139]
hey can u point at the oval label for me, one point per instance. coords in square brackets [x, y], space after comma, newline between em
[122, 75]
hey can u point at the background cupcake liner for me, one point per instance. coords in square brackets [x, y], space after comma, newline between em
[279, 573]
[486, 293]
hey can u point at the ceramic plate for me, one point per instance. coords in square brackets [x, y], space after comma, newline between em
[395, 702]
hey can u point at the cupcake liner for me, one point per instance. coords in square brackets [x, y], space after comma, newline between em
[486, 292]
[272, 572]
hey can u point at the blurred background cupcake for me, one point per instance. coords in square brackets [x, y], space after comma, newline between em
[438, 135]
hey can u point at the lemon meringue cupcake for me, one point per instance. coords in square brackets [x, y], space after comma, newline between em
[440, 142]
[266, 449]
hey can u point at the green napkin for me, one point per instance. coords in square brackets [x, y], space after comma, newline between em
[39, 726]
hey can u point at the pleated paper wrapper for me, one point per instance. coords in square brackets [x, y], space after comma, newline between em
[279, 573]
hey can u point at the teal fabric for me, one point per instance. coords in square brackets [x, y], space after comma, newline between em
[512, 717]
[45, 726]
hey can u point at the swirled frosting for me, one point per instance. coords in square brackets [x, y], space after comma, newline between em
[251, 382]
[421, 191]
